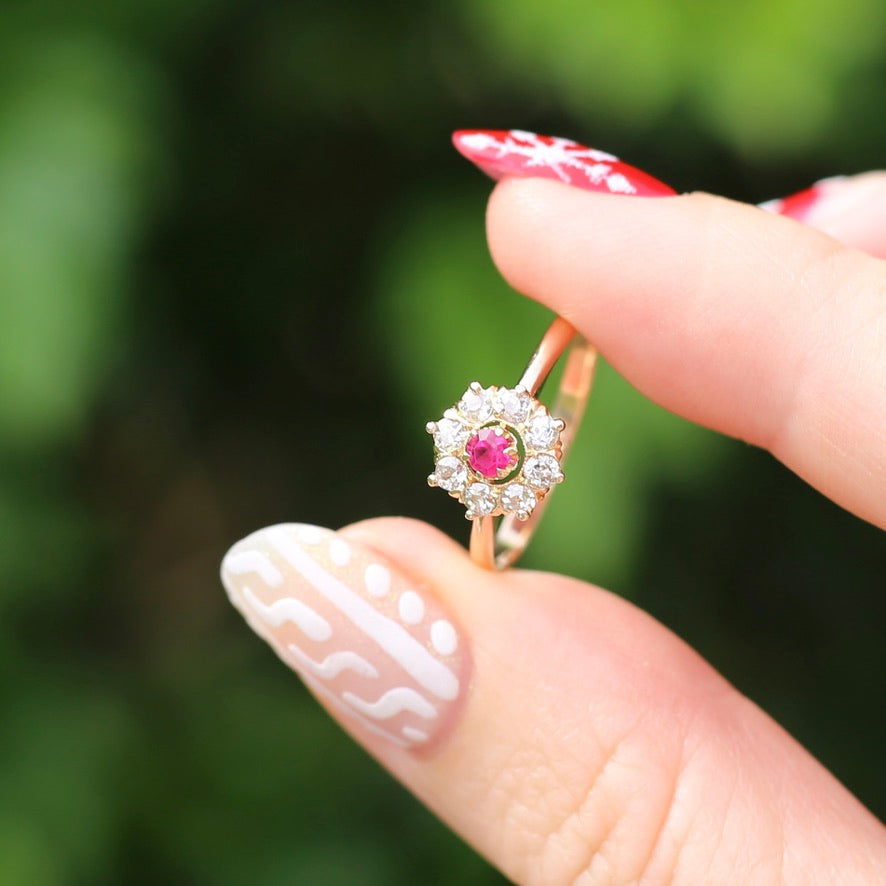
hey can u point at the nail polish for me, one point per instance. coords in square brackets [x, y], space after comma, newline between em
[365, 640]
[501, 153]
[799, 205]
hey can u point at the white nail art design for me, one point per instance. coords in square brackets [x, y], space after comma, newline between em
[378, 579]
[253, 561]
[392, 703]
[443, 637]
[416, 735]
[359, 636]
[333, 664]
[411, 607]
[340, 552]
[286, 609]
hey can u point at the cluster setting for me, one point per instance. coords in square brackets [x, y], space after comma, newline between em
[498, 451]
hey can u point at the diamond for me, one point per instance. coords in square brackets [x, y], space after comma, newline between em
[542, 432]
[450, 434]
[491, 451]
[450, 473]
[512, 405]
[476, 403]
[518, 499]
[480, 499]
[542, 471]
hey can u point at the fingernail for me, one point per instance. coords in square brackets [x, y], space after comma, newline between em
[366, 640]
[500, 153]
[802, 205]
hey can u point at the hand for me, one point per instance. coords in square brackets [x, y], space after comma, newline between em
[564, 733]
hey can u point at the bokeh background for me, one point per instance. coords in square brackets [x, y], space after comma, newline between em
[240, 267]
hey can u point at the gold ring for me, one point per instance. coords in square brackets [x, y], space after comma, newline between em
[499, 450]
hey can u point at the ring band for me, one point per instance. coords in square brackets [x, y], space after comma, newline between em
[499, 450]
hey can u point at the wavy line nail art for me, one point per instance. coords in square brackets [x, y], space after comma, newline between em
[360, 636]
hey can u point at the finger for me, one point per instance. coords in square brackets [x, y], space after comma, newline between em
[562, 732]
[849, 209]
[734, 318]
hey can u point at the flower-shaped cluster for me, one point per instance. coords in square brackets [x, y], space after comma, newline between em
[497, 451]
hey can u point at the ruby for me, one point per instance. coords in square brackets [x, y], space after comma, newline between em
[488, 452]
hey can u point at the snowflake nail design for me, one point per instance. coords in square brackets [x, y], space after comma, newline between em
[501, 153]
[498, 451]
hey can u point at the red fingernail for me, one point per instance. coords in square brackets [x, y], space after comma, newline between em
[500, 153]
[799, 205]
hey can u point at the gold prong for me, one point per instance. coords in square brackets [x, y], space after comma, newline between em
[476, 387]
[432, 479]
[431, 427]
[559, 424]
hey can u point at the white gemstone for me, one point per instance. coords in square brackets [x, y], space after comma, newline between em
[517, 498]
[542, 432]
[451, 473]
[480, 499]
[542, 471]
[450, 435]
[512, 406]
[476, 405]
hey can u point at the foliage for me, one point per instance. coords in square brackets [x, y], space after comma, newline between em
[218, 220]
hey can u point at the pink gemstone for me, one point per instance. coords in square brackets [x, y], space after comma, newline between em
[486, 452]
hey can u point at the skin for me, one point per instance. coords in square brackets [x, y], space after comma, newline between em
[594, 745]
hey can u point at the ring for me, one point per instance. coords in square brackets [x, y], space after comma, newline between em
[500, 451]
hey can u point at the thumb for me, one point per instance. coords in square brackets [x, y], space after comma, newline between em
[565, 734]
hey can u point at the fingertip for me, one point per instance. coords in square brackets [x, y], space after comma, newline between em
[523, 221]
[578, 252]
[372, 641]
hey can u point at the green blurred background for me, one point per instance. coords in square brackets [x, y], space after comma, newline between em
[232, 235]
